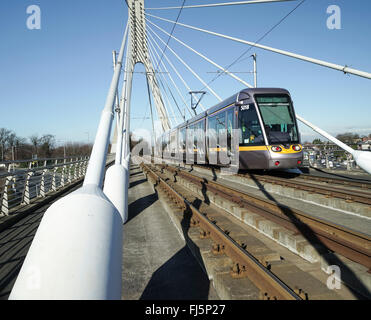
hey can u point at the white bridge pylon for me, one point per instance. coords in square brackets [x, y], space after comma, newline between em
[137, 52]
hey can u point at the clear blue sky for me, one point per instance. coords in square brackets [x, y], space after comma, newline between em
[55, 80]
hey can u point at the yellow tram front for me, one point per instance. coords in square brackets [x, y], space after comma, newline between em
[269, 133]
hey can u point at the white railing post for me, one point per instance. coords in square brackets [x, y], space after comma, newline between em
[69, 171]
[76, 169]
[5, 200]
[27, 191]
[54, 179]
[42, 184]
[63, 175]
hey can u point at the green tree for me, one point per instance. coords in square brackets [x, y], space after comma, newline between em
[347, 137]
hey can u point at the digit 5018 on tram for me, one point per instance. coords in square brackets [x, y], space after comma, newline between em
[269, 136]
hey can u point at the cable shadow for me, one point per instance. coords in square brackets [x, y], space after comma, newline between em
[135, 173]
[134, 183]
[204, 191]
[215, 177]
[140, 205]
[319, 246]
[180, 278]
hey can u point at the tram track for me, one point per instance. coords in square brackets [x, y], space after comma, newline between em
[349, 243]
[311, 238]
[359, 196]
[360, 191]
[365, 185]
[244, 263]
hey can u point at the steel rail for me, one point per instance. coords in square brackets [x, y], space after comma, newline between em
[244, 262]
[356, 196]
[358, 184]
[353, 245]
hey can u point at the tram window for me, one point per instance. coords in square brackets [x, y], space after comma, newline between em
[165, 142]
[168, 142]
[191, 136]
[251, 132]
[230, 113]
[279, 119]
[220, 123]
[199, 126]
[173, 145]
[182, 138]
[195, 127]
[201, 135]
[212, 124]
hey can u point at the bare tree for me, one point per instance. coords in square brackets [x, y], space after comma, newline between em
[15, 147]
[12, 139]
[35, 140]
[23, 150]
[47, 145]
[4, 134]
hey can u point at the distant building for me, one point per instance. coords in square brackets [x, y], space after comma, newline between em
[365, 144]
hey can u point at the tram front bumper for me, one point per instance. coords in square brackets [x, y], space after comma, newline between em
[285, 161]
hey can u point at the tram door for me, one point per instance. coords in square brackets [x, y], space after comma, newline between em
[230, 126]
[219, 133]
[182, 144]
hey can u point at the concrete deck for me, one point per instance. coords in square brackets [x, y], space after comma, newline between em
[157, 264]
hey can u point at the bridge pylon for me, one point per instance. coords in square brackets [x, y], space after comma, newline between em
[137, 52]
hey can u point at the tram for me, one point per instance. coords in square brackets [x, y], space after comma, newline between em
[266, 125]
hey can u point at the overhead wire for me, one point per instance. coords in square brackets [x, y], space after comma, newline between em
[256, 42]
[172, 31]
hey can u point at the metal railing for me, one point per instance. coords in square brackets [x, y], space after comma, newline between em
[25, 180]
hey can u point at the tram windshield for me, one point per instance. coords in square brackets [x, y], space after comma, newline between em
[251, 131]
[278, 118]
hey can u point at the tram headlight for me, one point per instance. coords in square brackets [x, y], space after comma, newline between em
[296, 147]
[276, 149]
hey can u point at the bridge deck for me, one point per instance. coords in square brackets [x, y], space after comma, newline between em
[157, 263]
